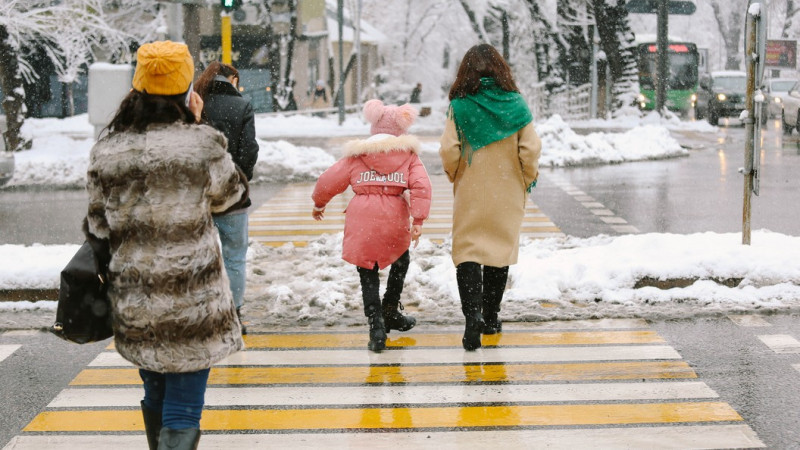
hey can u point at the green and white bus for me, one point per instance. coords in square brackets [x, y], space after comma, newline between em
[683, 67]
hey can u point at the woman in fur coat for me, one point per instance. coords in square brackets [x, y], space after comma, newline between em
[377, 230]
[154, 180]
[490, 153]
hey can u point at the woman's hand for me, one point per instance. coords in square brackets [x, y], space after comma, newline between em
[416, 232]
[196, 105]
[318, 213]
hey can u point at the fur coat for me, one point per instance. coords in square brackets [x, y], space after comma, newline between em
[152, 195]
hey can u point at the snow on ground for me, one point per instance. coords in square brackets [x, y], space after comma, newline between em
[557, 278]
[560, 278]
[60, 152]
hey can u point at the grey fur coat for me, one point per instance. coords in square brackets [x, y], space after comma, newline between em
[152, 195]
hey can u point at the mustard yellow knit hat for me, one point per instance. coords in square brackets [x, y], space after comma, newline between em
[163, 68]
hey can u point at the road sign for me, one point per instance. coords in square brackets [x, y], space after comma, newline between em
[781, 54]
[683, 7]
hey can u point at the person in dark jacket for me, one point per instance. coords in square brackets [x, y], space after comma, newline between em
[226, 110]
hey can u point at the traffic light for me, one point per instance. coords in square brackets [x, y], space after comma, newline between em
[230, 5]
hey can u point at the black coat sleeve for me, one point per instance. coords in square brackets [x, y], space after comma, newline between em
[248, 146]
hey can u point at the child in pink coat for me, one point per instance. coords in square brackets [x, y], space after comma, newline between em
[392, 199]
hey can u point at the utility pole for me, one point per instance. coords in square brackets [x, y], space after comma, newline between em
[754, 52]
[340, 99]
[225, 33]
[662, 55]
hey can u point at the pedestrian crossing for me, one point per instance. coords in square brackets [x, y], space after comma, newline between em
[286, 217]
[611, 383]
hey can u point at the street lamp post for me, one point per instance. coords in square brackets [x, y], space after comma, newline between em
[340, 97]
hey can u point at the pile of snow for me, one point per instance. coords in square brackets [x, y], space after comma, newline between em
[557, 278]
[561, 146]
[59, 156]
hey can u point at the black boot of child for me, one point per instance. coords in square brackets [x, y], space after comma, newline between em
[494, 284]
[370, 286]
[392, 318]
[377, 333]
[468, 276]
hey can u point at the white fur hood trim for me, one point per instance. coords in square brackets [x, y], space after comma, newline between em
[382, 143]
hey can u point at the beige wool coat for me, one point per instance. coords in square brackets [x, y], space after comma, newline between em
[489, 194]
[152, 194]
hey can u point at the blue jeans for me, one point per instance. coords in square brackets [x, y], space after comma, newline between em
[233, 234]
[179, 396]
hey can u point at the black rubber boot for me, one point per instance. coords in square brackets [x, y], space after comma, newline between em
[377, 333]
[152, 426]
[183, 439]
[468, 276]
[241, 324]
[392, 318]
[370, 286]
[494, 284]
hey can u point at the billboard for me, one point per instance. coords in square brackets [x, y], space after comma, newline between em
[781, 54]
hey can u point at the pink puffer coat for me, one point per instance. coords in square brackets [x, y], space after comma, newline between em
[380, 170]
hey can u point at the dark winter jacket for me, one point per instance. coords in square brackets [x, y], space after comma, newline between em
[227, 111]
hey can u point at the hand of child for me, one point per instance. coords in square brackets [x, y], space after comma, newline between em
[196, 105]
[416, 232]
[318, 214]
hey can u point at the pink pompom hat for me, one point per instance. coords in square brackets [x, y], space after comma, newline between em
[389, 119]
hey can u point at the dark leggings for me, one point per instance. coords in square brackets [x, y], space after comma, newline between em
[371, 284]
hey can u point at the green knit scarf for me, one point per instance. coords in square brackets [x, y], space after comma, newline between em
[489, 115]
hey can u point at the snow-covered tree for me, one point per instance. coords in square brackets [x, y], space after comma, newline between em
[425, 40]
[617, 42]
[70, 32]
[730, 17]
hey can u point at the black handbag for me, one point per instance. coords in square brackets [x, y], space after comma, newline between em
[84, 311]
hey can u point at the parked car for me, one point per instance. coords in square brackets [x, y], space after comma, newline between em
[721, 94]
[775, 92]
[6, 158]
[790, 110]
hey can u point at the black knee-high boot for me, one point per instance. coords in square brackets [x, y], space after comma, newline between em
[370, 290]
[152, 425]
[183, 439]
[392, 318]
[470, 286]
[494, 284]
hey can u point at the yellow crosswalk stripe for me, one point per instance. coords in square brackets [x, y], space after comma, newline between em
[471, 373]
[329, 340]
[403, 418]
[285, 218]
[423, 383]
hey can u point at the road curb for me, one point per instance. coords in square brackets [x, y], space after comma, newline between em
[33, 295]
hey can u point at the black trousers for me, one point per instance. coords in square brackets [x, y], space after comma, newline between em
[480, 287]
[371, 284]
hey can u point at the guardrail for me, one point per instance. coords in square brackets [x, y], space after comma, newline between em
[347, 109]
[572, 104]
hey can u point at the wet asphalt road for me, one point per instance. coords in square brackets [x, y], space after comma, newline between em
[701, 192]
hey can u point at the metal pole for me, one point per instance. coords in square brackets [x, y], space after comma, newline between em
[226, 38]
[749, 142]
[340, 99]
[359, 82]
[662, 68]
[593, 96]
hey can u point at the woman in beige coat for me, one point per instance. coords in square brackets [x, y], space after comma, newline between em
[490, 153]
